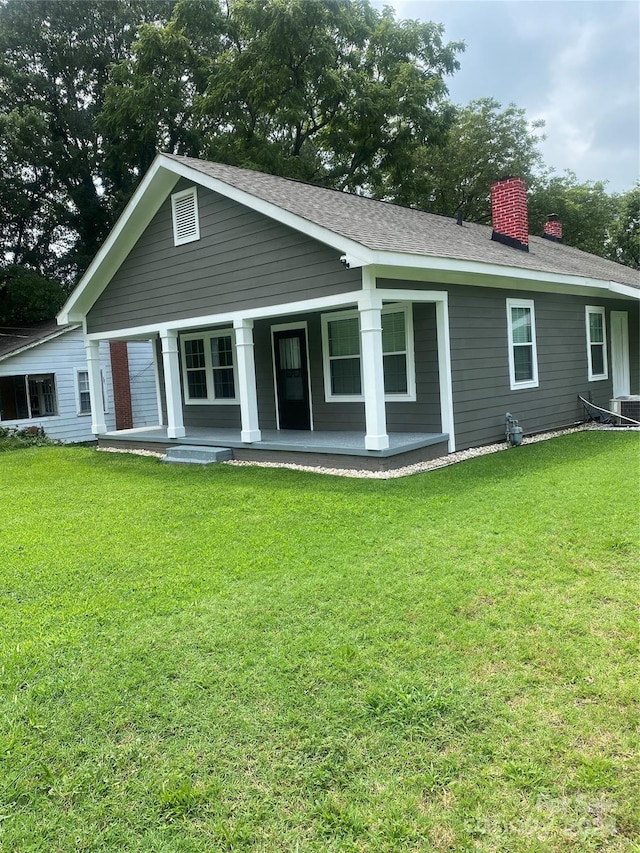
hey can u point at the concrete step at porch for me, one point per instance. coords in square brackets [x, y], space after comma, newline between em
[193, 454]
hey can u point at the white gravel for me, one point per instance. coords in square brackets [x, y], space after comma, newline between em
[418, 468]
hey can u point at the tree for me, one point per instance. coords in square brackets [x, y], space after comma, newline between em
[624, 236]
[56, 54]
[27, 297]
[483, 143]
[330, 91]
[586, 210]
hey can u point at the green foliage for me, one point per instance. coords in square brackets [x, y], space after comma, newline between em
[27, 297]
[227, 658]
[54, 62]
[586, 211]
[624, 234]
[483, 143]
[333, 92]
[15, 438]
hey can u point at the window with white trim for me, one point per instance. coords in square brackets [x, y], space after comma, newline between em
[28, 396]
[209, 367]
[596, 342]
[83, 397]
[184, 211]
[342, 354]
[523, 356]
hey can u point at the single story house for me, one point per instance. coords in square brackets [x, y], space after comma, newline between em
[294, 320]
[44, 382]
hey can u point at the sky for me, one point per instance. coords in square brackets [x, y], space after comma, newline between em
[573, 63]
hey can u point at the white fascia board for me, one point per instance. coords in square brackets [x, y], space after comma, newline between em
[140, 210]
[624, 290]
[32, 344]
[321, 303]
[451, 271]
[356, 254]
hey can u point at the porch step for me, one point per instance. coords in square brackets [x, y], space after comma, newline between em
[193, 454]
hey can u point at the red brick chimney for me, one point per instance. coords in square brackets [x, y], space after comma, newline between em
[509, 213]
[553, 228]
[121, 384]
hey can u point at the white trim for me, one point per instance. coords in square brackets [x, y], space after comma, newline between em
[152, 191]
[211, 399]
[230, 317]
[92, 352]
[409, 353]
[246, 382]
[163, 175]
[185, 217]
[596, 309]
[171, 370]
[620, 367]
[528, 383]
[284, 327]
[54, 334]
[445, 378]
[77, 372]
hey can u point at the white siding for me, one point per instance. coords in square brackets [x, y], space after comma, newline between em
[64, 356]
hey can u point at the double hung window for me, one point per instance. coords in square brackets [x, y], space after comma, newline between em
[208, 367]
[596, 343]
[523, 358]
[343, 359]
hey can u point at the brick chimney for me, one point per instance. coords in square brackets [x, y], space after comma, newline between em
[553, 228]
[121, 385]
[509, 215]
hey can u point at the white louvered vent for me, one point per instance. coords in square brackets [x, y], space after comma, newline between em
[184, 207]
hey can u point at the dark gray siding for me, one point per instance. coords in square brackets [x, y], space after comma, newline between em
[242, 260]
[480, 365]
[479, 349]
[420, 416]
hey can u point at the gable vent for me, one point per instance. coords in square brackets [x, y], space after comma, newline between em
[184, 207]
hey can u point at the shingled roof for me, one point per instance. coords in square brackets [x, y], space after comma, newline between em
[383, 226]
[15, 339]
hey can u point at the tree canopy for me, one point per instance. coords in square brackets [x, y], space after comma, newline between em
[329, 91]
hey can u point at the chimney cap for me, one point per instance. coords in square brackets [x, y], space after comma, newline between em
[553, 217]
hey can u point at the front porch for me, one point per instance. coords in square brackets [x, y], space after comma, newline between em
[326, 449]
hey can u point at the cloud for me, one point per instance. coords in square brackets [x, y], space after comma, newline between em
[574, 64]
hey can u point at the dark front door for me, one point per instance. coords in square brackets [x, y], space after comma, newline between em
[292, 379]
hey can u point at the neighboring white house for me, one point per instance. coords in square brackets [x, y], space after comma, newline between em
[44, 382]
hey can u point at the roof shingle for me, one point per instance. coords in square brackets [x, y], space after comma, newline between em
[384, 226]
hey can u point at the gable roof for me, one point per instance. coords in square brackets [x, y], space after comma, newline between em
[366, 230]
[16, 339]
[387, 227]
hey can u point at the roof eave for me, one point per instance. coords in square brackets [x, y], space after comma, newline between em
[54, 334]
[448, 270]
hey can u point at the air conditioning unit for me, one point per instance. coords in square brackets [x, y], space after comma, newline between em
[628, 407]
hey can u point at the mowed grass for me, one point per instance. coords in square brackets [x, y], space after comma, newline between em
[243, 659]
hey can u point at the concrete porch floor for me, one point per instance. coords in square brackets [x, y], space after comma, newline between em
[320, 448]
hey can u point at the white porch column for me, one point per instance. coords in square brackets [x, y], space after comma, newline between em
[247, 380]
[98, 422]
[370, 308]
[175, 422]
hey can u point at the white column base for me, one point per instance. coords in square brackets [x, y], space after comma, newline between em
[376, 442]
[250, 435]
[176, 432]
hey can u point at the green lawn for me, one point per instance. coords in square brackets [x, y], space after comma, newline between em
[244, 659]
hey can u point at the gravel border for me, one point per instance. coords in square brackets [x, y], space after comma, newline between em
[408, 470]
